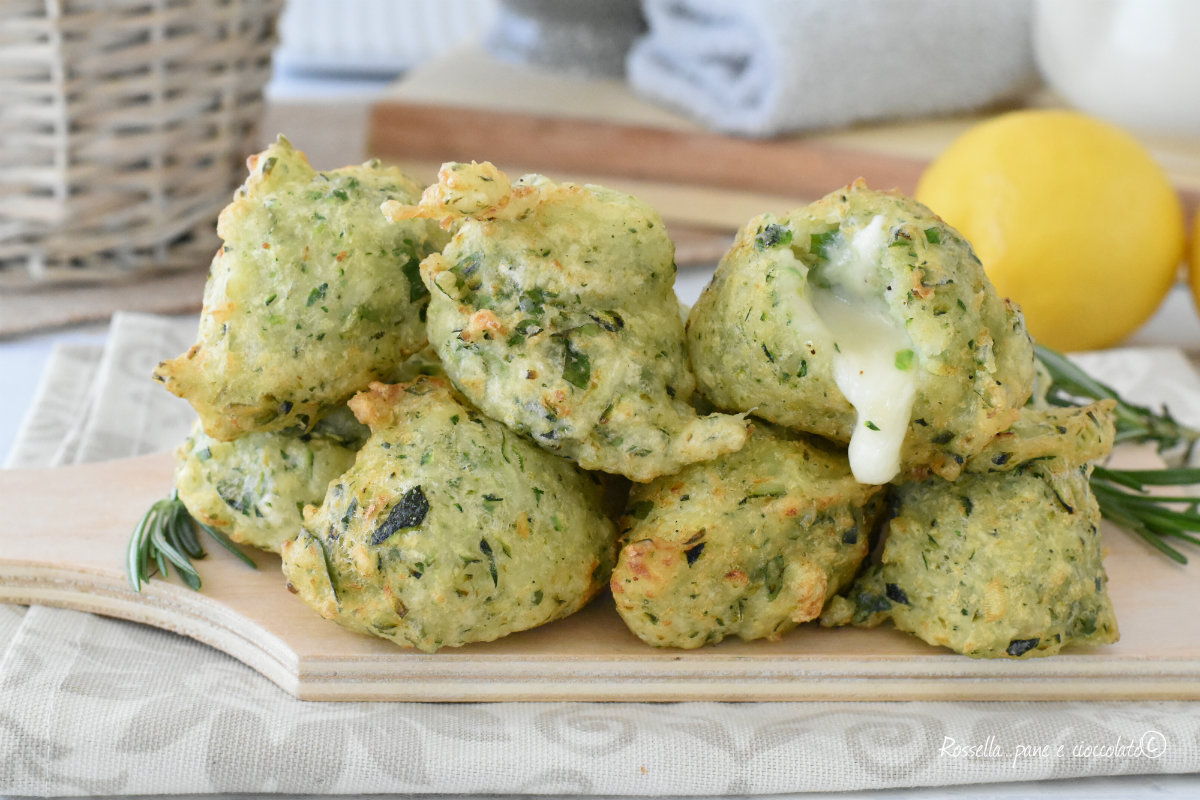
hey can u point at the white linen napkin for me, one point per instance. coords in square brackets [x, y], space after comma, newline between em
[764, 67]
[59, 404]
[90, 705]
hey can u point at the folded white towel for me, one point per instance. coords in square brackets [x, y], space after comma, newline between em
[762, 67]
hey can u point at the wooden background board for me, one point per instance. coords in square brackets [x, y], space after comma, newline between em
[467, 105]
[62, 543]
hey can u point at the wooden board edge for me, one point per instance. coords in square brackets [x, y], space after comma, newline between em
[790, 166]
[796, 165]
[737, 679]
[520, 687]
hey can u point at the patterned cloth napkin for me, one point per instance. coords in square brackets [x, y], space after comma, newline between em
[90, 705]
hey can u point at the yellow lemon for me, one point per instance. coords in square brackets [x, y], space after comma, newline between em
[1071, 217]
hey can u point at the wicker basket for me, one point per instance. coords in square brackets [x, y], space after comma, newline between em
[124, 128]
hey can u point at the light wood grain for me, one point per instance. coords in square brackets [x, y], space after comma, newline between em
[685, 209]
[794, 166]
[62, 543]
[468, 105]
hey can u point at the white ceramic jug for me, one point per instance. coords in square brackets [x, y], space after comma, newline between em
[1134, 62]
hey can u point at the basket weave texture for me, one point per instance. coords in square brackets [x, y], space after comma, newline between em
[124, 125]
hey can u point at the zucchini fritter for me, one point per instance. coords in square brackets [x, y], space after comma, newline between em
[750, 544]
[313, 295]
[866, 319]
[449, 529]
[1005, 561]
[255, 487]
[553, 310]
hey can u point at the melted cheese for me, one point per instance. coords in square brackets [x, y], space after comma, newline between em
[865, 357]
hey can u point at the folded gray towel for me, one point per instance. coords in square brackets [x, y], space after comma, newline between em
[763, 67]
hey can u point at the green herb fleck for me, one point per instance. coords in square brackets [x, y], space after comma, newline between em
[412, 273]
[820, 244]
[351, 509]
[577, 367]
[317, 294]
[237, 496]
[408, 513]
[904, 359]
[534, 301]
[487, 551]
[465, 272]
[770, 574]
[1019, 647]
[773, 236]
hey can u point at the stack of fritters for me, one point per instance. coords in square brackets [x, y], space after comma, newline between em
[437, 511]
[553, 311]
[865, 319]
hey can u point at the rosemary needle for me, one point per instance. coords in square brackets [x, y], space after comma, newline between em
[1122, 494]
[166, 534]
[1134, 423]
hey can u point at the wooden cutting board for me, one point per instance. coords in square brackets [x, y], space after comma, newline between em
[468, 105]
[62, 543]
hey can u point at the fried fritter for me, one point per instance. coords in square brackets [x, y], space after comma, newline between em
[313, 295]
[866, 319]
[749, 544]
[553, 310]
[1005, 561]
[255, 487]
[449, 528]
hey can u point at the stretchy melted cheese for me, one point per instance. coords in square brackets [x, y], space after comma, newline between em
[868, 353]
[866, 319]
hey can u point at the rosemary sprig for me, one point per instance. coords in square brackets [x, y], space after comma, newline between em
[1134, 423]
[167, 535]
[1122, 494]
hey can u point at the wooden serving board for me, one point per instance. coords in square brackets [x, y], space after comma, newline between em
[467, 104]
[62, 543]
